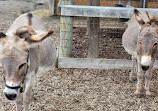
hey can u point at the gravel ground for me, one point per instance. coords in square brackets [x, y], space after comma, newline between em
[110, 44]
[84, 89]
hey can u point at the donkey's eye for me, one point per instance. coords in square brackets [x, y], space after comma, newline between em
[140, 42]
[21, 66]
[155, 44]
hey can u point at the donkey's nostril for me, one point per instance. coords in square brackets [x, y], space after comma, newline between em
[10, 96]
[145, 68]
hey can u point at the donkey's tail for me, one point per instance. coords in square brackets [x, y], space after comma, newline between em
[29, 15]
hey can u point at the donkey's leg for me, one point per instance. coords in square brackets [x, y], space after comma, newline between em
[28, 92]
[147, 82]
[148, 76]
[132, 76]
[18, 102]
[139, 79]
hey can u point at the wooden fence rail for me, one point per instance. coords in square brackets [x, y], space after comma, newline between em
[96, 11]
[96, 63]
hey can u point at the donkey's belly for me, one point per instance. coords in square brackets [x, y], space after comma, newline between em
[129, 40]
[131, 52]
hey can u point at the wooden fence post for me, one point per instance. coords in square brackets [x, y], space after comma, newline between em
[51, 7]
[93, 28]
[141, 4]
[66, 28]
[131, 3]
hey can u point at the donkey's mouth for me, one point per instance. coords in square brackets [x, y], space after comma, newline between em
[145, 68]
[10, 96]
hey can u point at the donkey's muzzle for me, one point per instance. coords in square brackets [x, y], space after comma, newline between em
[145, 68]
[10, 96]
[11, 93]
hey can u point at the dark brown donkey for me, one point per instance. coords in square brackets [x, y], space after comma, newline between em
[141, 41]
[26, 50]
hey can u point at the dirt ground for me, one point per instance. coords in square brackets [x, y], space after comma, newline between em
[83, 89]
[110, 44]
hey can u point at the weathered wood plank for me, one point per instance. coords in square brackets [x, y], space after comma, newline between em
[96, 63]
[51, 7]
[66, 30]
[93, 63]
[93, 30]
[97, 11]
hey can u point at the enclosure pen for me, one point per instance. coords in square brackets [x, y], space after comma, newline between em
[68, 11]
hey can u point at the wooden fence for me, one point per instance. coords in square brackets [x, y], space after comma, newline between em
[109, 3]
[67, 11]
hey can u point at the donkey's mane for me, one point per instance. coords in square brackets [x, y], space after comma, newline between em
[153, 21]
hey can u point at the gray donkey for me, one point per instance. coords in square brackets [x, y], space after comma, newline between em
[26, 50]
[141, 41]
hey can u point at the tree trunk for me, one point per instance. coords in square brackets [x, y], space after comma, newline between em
[93, 28]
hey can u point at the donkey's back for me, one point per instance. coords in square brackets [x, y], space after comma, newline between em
[36, 24]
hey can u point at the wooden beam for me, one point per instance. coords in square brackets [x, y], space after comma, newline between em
[51, 7]
[93, 63]
[96, 63]
[66, 32]
[93, 29]
[97, 11]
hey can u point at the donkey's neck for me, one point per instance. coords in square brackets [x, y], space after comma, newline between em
[34, 59]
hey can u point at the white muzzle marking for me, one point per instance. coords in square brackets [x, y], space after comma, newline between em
[11, 84]
[146, 60]
[11, 91]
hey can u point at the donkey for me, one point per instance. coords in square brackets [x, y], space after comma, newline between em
[141, 41]
[26, 50]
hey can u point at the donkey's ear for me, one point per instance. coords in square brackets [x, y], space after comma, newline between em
[37, 38]
[2, 35]
[147, 15]
[138, 18]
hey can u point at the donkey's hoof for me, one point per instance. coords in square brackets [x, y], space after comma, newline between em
[137, 92]
[140, 96]
[148, 93]
[132, 78]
